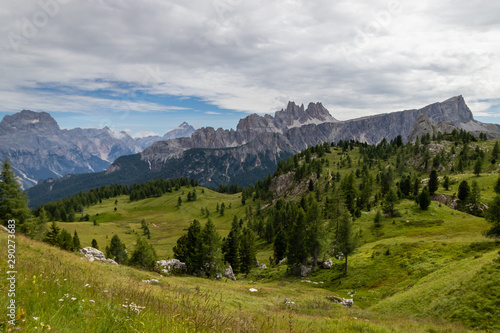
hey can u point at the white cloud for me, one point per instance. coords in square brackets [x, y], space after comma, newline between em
[357, 58]
[144, 134]
[212, 112]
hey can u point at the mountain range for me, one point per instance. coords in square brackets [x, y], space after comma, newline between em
[252, 151]
[38, 148]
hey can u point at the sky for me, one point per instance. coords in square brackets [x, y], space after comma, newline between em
[147, 66]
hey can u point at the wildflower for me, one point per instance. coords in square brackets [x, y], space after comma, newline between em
[83, 300]
[91, 301]
[48, 327]
[61, 300]
[87, 285]
[42, 324]
[73, 298]
[66, 295]
[36, 318]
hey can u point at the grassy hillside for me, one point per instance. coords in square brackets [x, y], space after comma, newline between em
[60, 291]
[419, 271]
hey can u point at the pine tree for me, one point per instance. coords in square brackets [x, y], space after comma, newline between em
[424, 199]
[463, 191]
[315, 232]
[144, 255]
[248, 251]
[211, 250]
[492, 215]
[194, 248]
[36, 229]
[76, 242]
[13, 204]
[280, 246]
[64, 240]
[345, 241]
[446, 183]
[390, 200]
[231, 247]
[179, 201]
[496, 151]
[94, 244]
[222, 209]
[116, 250]
[297, 248]
[497, 185]
[51, 236]
[478, 166]
[181, 248]
[377, 219]
[433, 182]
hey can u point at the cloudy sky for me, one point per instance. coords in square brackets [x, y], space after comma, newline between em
[147, 66]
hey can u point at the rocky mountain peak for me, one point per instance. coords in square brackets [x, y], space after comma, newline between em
[27, 120]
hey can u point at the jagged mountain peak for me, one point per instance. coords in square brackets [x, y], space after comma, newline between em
[28, 120]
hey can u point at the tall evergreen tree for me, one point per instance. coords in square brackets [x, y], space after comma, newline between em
[297, 247]
[492, 215]
[463, 191]
[424, 199]
[248, 251]
[76, 242]
[211, 250]
[497, 185]
[345, 242]
[194, 258]
[496, 151]
[478, 166]
[446, 183]
[13, 204]
[64, 240]
[94, 244]
[116, 250]
[144, 255]
[433, 182]
[36, 229]
[390, 200]
[181, 248]
[280, 246]
[52, 234]
[315, 232]
[231, 247]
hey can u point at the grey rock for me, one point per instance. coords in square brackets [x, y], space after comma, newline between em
[228, 273]
[93, 254]
[171, 266]
[281, 261]
[263, 266]
[349, 302]
[327, 264]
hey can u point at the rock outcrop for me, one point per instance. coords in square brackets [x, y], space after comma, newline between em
[171, 266]
[228, 273]
[93, 254]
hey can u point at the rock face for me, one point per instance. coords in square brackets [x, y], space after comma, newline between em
[228, 273]
[94, 254]
[253, 150]
[171, 266]
[38, 148]
[423, 125]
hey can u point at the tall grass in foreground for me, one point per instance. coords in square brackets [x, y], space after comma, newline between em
[59, 292]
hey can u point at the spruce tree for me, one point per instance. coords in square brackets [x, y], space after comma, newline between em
[181, 249]
[446, 183]
[94, 244]
[297, 247]
[496, 151]
[211, 253]
[424, 199]
[280, 246]
[497, 185]
[433, 182]
[36, 229]
[52, 234]
[492, 215]
[377, 219]
[116, 250]
[13, 204]
[64, 240]
[315, 232]
[144, 255]
[76, 242]
[463, 191]
[248, 251]
[478, 166]
[194, 248]
[345, 241]
[231, 247]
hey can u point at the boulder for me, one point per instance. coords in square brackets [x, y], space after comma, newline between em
[257, 264]
[340, 300]
[263, 266]
[327, 264]
[229, 273]
[281, 261]
[94, 254]
[304, 270]
[171, 265]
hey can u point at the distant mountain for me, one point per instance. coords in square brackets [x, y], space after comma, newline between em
[39, 149]
[254, 149]
[184, 130]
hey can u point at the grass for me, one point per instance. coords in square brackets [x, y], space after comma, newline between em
[55, 287]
